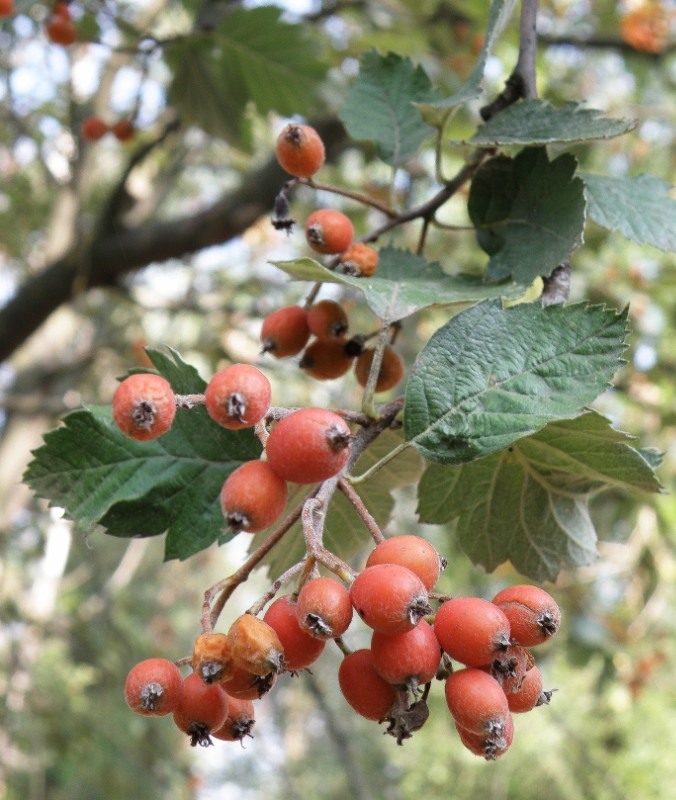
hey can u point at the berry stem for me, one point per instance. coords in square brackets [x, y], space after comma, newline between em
[314, 513]
[361, 509]
[357, 196]
[284, 578]
[189, 400]
[367, 404]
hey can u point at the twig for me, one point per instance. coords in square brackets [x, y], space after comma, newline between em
[361, 509]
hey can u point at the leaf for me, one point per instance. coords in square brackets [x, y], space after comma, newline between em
[529, 213]
[490, 375]
[537, 122]
[529, 505]
[379, 106]
[639, 207]
[404, 284]
[136, 488]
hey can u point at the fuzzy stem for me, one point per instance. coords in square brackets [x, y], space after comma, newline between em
[361, 509]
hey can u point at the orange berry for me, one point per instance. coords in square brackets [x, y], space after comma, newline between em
[285, 331]
[327, 320]
[255, 646]
[61, 30]
[238, 723]
[359, 260]
[328, 231]
[203, 709]
[326, 360]
[124, 130]
[391, 372]
[300, 150]
[211, 657]
[253, 497]
[238, 396]
[153, 687]
[414, 552]
[144, 406]
[6, 7]
[93, 129]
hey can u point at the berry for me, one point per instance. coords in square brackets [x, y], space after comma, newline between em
[202, 709]
[328, 231]
[533, 614]
[285, 332]
[359, 260]
[509, 667]
[93, 129]
[391, 371]
[408, 659]
[530, 694]
[244, 685]
[308, 446]
[300, 648]
[238, 396]
[300, 150]
[368, 694]
[211, 657]
[471, 630]
[491, 747]
[255, 646]
[389, 598]
[144, 406]
[60, 30]
[324, 608]
[253, 497]
[477, 701]
[123, 130]
[410, 551]
[238, 723]
[6, 7]
[327, 320]
[326, 360]
[153, 687]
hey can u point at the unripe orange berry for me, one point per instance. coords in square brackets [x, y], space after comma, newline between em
[359, 260]
[144, 406]
[93, 129]
[285, 331]
[300, 150]
[255, 646]
[124, 130]
[326, 360]
[391, 372]
[328, 231]
[211, 657]
[327, 320]
[253, 497]
[238, 396]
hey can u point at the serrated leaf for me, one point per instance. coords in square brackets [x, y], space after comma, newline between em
[379, 106]
[639, 207]
[528, 505]
[436, 113]
[529, 213]
[537, 122]
[490, 375]
[344, 531]
[132, 488]
[404, 284]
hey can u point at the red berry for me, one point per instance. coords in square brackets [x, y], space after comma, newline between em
[153, 687]
[285, 332]
[326, 360]
[407, 659]
[389, 598]
[61, 30]
[244, 685]
[238, 396]
[391, 371]
[308, 446]
[253, 497]
[300, 150]
[93, 129]
[491, 747]
[477, 701]
[327, 320]
[530, 694]
[533, 614]
[123, 130]
[324, 608]
[203, 709]
[144, 406]
[328, 231]
[300, 648]
[6, 7]
[471, 630]
[410, 551]
[238, 723]
[368, 694]
[359, 260]
[255, 646]
[509, 667]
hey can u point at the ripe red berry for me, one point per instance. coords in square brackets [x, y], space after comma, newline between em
[238, 723]
[491, 747]
[238, 396]
[6, 7]
[391, 371]
[203, 709]
[285, 332]
[325, 360]
[533, 614]
[414, 552]
[253, 497]
[470, 631]
[308, 446]
[359, 260]
[476, 701]
[244, 685]
[300, 150]
[144, 406]
[327, 319]
[60, 30]
[255, 646]
[123, 130]
[509, 667]
[153, 687]
[300, 648]
[328, 231]
[389, 598]
[530, 694]
[368, 694]
[211, 658]
[93, 129]
[324, 608]
[408, 659]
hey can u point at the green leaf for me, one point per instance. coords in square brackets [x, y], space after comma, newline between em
[379, 106]
[537, 122]
[404, 284]
[490, 375]
[132, 488]
[641, 208]
[529, 213]
[528, 505]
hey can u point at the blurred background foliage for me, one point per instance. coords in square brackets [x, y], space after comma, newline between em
[77, 612]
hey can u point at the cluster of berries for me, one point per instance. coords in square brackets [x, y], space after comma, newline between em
[93, 129]
[409, 649]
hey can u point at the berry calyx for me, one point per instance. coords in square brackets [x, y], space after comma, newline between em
[471, 630]
[326, 360]
[93, 129]
[285, 332]
[255, 646]
[308, 446]
[359, 260]
[324, 608]
[530, 694]
[300, 648]
[300, 150]
[238, 396]
[328, 231]
[203, 709]
[365, 691]
[490, 746]
[534, 616]
[414, 552]
[391, 371]
[153, 687]
[327, 320]
[144, 406]
[239, 722]
[253, 497]
[244, 685]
